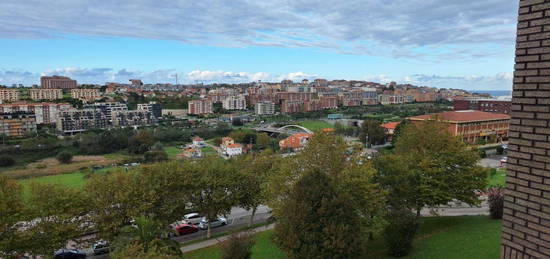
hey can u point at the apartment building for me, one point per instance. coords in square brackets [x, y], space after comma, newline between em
[107, 108]
[57, 82]
[46, 94]
[472, 126]
[85, 94]
[9, 95]
[485, 105]
[386, 99]
[199, 107]
[329, 102]
[74, 121]
[292, 106]
[234, 103]
[18, 124]
[132, 118]
[45, 113]
[265, 108]
[153, 107]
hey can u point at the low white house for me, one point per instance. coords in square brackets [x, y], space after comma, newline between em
[198, 142]
[233, 149]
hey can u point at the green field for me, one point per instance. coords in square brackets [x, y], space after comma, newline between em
[315, 125]
[498, 179]
[172, 152]
[439, 237]
[208, 150]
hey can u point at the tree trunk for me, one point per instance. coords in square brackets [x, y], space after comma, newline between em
[208, 233]
[418, 212]
[252, 217]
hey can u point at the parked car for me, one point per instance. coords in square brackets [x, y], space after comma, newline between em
[185, 229]
[69, 254]
[101, 247]
[220, 221]
[192, 218]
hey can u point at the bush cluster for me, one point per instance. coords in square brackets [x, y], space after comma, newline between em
[400, 231]
[237, 247]
[495, 197]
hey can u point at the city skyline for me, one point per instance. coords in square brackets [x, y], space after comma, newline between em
[456, 44]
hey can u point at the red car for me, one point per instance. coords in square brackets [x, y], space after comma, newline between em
[185, 229]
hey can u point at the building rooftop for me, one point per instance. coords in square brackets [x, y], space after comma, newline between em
[390, 125]
[463, 116]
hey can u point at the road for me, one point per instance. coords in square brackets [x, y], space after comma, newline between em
[238, 218]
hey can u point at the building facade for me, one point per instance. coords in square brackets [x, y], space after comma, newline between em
[200, 107]
[234, 103]
[485, 105]
[46, 94]
[132, 118]
[18, 124]
[74, 121]
[472, 126]
[85, 94]
[45, 113]
[153, 107]
[9, 95]
[57, 82]
[264, 108]
[526, 220]
[107, 108]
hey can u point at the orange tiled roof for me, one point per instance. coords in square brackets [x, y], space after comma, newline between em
[234, 146]
[463, 116]
[390, 125]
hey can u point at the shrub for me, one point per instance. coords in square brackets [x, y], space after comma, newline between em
[155, 156]
[495, 197]
[400, 231]
[482, 153]
[237, 247]
[6, 161]
[64, 157]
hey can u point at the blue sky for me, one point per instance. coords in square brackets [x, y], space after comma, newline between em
[465, 44]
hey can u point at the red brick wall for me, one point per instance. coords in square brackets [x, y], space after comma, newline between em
[526, 224]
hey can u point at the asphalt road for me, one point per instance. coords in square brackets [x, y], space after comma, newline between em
[238, 218]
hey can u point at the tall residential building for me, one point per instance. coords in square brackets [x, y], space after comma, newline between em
[152, 107]
[10, 95]
[17, 124]
[107, 108]
[45, 113]
[329, 102]
[292, 106]
[264, 108]
[58, 82]
[74, 121]
[46, 94]
[234, 103]
[85, 93]
[132, 118]
[198, 107]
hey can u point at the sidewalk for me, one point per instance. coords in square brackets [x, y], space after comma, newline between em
[215, 241]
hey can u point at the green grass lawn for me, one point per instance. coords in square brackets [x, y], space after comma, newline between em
[208, 150]
[470, 237]
[315, 125]
[499, 179]
[172, 152]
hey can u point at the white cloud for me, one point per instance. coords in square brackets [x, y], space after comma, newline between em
[227, 77]
[373, 27]
[297, 76]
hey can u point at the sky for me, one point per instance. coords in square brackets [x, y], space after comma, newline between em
[467, 44]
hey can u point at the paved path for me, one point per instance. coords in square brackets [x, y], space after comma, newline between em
[215, 241]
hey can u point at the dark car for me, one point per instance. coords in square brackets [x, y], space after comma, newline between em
[185, 229]
[69, 254]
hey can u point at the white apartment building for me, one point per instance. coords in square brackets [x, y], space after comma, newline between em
[234, 103]
[10, 95]
[46, 94]
[265, 108]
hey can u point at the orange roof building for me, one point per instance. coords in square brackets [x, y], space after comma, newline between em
[296, 141]
[472, 126]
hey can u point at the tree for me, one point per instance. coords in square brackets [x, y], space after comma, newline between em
[397, 131]
[350, 173]
[11, 211]
[318, 221]
[263, 141]
[6, 161]
[141, 142]
[429, 168]
[214, 188]
[64, 157]
[372, 133]
[237, 247]
[399, 233]
[154, 156]
[58, 214]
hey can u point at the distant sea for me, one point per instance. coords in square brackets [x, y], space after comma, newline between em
[495, 93]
